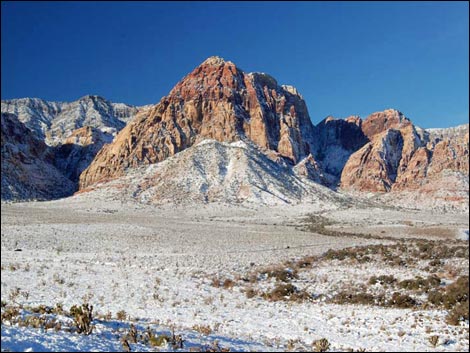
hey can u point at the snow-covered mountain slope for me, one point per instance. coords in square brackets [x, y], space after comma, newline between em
[54, 121]
[28, 170]
[217, 171]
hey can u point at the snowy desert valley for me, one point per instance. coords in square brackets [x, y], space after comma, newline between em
[210, 274]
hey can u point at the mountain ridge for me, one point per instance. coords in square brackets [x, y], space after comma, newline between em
[93, 142]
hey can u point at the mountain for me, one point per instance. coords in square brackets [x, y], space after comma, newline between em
[28, 170]
[54, 121]
[72, 133]
[217, 101]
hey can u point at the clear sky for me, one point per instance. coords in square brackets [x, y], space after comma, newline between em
[344, 57]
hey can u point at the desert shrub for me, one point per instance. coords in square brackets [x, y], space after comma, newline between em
[436, 297]
[41, 309]
[280, 273]
[457, 292]
[58, 309]
[215, 347]
[306, 261]
[321, 345]
[121, 315]
[287, 291]
[215, 282]
[402, 301]
[362, 298]
[203, 329]
[250, 293]
[228, 283]
[432, 250]
[132, 334]
[384, 279]
[458, 313]
[82, 316]
[434, 340]
[10, 314]
[361, 254]
[280, 292]
[159, 341]
[420, 283]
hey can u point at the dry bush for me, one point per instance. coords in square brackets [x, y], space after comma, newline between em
[434, 340]
[455, 298]
[203, 329]
[250, 293]
[362, 298]
[402, 301]
[228, 283]
[41, 309]
[420, 284]
[458, 313]
[384, 279]
[10, 314]
[280, 273]
[321, 345]
[83, 316]
[286, 292]
[121, 315]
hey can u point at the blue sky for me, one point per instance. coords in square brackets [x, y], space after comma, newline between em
[344, 57]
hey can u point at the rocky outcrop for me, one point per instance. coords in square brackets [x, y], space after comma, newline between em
[217, 101]
[28, 170]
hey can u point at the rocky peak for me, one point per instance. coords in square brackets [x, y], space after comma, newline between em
[217, 101]
[213, 60]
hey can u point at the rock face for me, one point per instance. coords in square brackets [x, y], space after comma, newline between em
[215, 101]
[28, 171]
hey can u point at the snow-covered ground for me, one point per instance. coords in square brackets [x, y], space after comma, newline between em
[158, 264]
